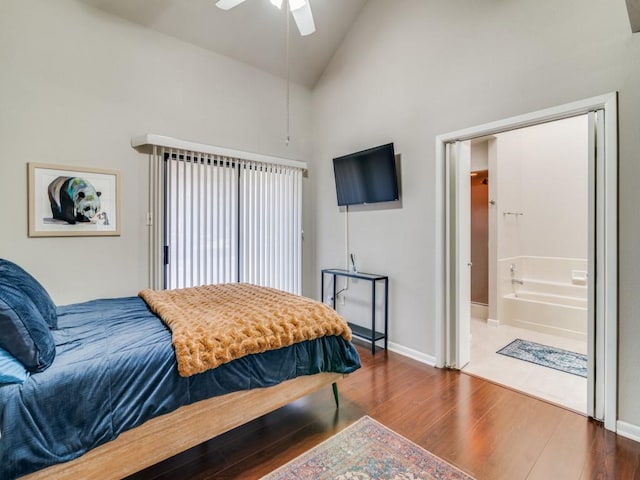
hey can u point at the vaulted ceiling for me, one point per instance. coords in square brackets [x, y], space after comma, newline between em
[254, 32]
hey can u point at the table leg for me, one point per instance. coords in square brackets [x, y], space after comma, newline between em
[386, 312]
[373, 318]
[333, 299]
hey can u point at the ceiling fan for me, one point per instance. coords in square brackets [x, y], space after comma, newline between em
[300, 9]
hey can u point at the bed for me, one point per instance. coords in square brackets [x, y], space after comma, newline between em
[112, 402]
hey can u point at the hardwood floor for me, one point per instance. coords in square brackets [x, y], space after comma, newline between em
[486, 430]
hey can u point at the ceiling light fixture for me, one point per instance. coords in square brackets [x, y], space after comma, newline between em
[300, 9]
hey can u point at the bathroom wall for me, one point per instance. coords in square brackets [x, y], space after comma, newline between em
[480, 235]
[555, 189]
[508, 184]
[542, 173]
[542, 179]
[480, 228]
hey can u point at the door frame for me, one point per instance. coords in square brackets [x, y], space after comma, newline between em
[605, 285]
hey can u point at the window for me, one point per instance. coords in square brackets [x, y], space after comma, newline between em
[201, 235]
[270, 212]
[221, 219]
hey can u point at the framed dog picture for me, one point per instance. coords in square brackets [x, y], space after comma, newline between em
[73, 201]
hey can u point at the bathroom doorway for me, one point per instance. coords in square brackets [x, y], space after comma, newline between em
[453, 170]
[529, 331]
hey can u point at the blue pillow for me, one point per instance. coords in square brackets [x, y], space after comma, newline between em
[12, 274]
[11, 370]
[23, 331]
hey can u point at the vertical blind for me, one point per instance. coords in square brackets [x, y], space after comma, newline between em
[218, 219]
[271, 226]
[201, 234]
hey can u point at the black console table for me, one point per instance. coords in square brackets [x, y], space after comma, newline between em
[370, 334]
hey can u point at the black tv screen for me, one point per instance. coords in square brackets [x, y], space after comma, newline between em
[368, 176]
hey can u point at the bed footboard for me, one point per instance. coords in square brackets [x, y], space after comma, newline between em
[175, 432]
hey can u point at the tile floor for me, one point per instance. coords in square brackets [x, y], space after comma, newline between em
[557, 387]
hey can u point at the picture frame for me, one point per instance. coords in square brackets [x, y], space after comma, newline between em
[66, 201]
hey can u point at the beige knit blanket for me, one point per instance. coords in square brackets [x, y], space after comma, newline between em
[215, 324]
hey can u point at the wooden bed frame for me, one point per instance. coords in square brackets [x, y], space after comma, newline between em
[167, 435]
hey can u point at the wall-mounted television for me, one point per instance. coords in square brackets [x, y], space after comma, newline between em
[368, 176]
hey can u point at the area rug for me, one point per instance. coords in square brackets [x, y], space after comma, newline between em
[367, 450]
[552, 357]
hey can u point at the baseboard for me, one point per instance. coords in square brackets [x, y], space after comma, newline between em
[628, 430]
[479, 310]
[404, 351]
[414, 354]
[493, 322]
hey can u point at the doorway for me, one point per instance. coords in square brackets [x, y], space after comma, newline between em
[453, 331]
[530, 334]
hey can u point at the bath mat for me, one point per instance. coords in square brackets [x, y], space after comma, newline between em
[552, 357]
[367, 450]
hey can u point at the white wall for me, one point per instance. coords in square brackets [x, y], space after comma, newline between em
[412, 69]
[543, 174]
[555, 189]
[75, 85]
[508, 180]
[479, 155]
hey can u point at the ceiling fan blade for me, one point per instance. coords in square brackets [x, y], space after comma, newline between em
[304, 19]
[296, 4]
[228, 4]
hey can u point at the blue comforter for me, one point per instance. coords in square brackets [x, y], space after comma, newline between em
[114, 369]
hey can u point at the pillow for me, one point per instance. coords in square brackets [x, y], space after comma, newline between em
[23, 331]
[12, 274]
[11, 370]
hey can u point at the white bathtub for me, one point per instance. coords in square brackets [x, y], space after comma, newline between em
[548, 300]
[554, 314]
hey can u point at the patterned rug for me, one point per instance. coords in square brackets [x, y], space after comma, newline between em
[367, 450]
[557, 358]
